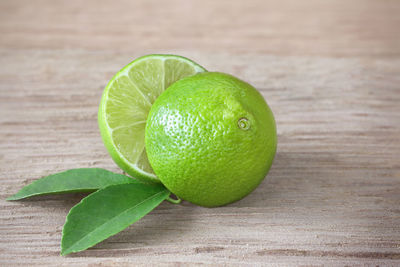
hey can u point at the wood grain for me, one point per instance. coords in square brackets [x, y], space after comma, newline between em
[330, 70]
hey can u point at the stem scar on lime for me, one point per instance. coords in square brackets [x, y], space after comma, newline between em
[244, 123]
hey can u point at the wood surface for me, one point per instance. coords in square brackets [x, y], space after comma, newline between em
[329, 69]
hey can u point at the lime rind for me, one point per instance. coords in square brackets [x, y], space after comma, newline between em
[211, 138]
[172, 68]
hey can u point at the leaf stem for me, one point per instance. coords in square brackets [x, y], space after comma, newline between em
[173, 201]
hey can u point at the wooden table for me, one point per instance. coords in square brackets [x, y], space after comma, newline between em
[329, 69]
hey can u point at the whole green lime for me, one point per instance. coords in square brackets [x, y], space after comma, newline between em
[210, 138]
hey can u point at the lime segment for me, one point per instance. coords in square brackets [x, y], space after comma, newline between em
[125, 105]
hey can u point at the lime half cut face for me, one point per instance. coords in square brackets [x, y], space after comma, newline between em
[126, 103]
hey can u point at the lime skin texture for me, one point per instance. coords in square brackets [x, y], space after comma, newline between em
[210, 138]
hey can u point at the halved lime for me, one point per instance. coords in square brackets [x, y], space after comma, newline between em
[126, 102]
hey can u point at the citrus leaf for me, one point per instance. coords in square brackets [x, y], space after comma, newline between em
[72, 181]
[107, 212]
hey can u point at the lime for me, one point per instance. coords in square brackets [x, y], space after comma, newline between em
[210, 138]
[126, 102]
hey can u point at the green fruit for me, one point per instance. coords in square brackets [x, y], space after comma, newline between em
[126, 102]
[210, 138]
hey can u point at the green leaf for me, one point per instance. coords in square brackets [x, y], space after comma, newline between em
[72, 181]
[107, 212]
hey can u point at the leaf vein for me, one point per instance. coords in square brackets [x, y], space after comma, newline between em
[109, 221]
